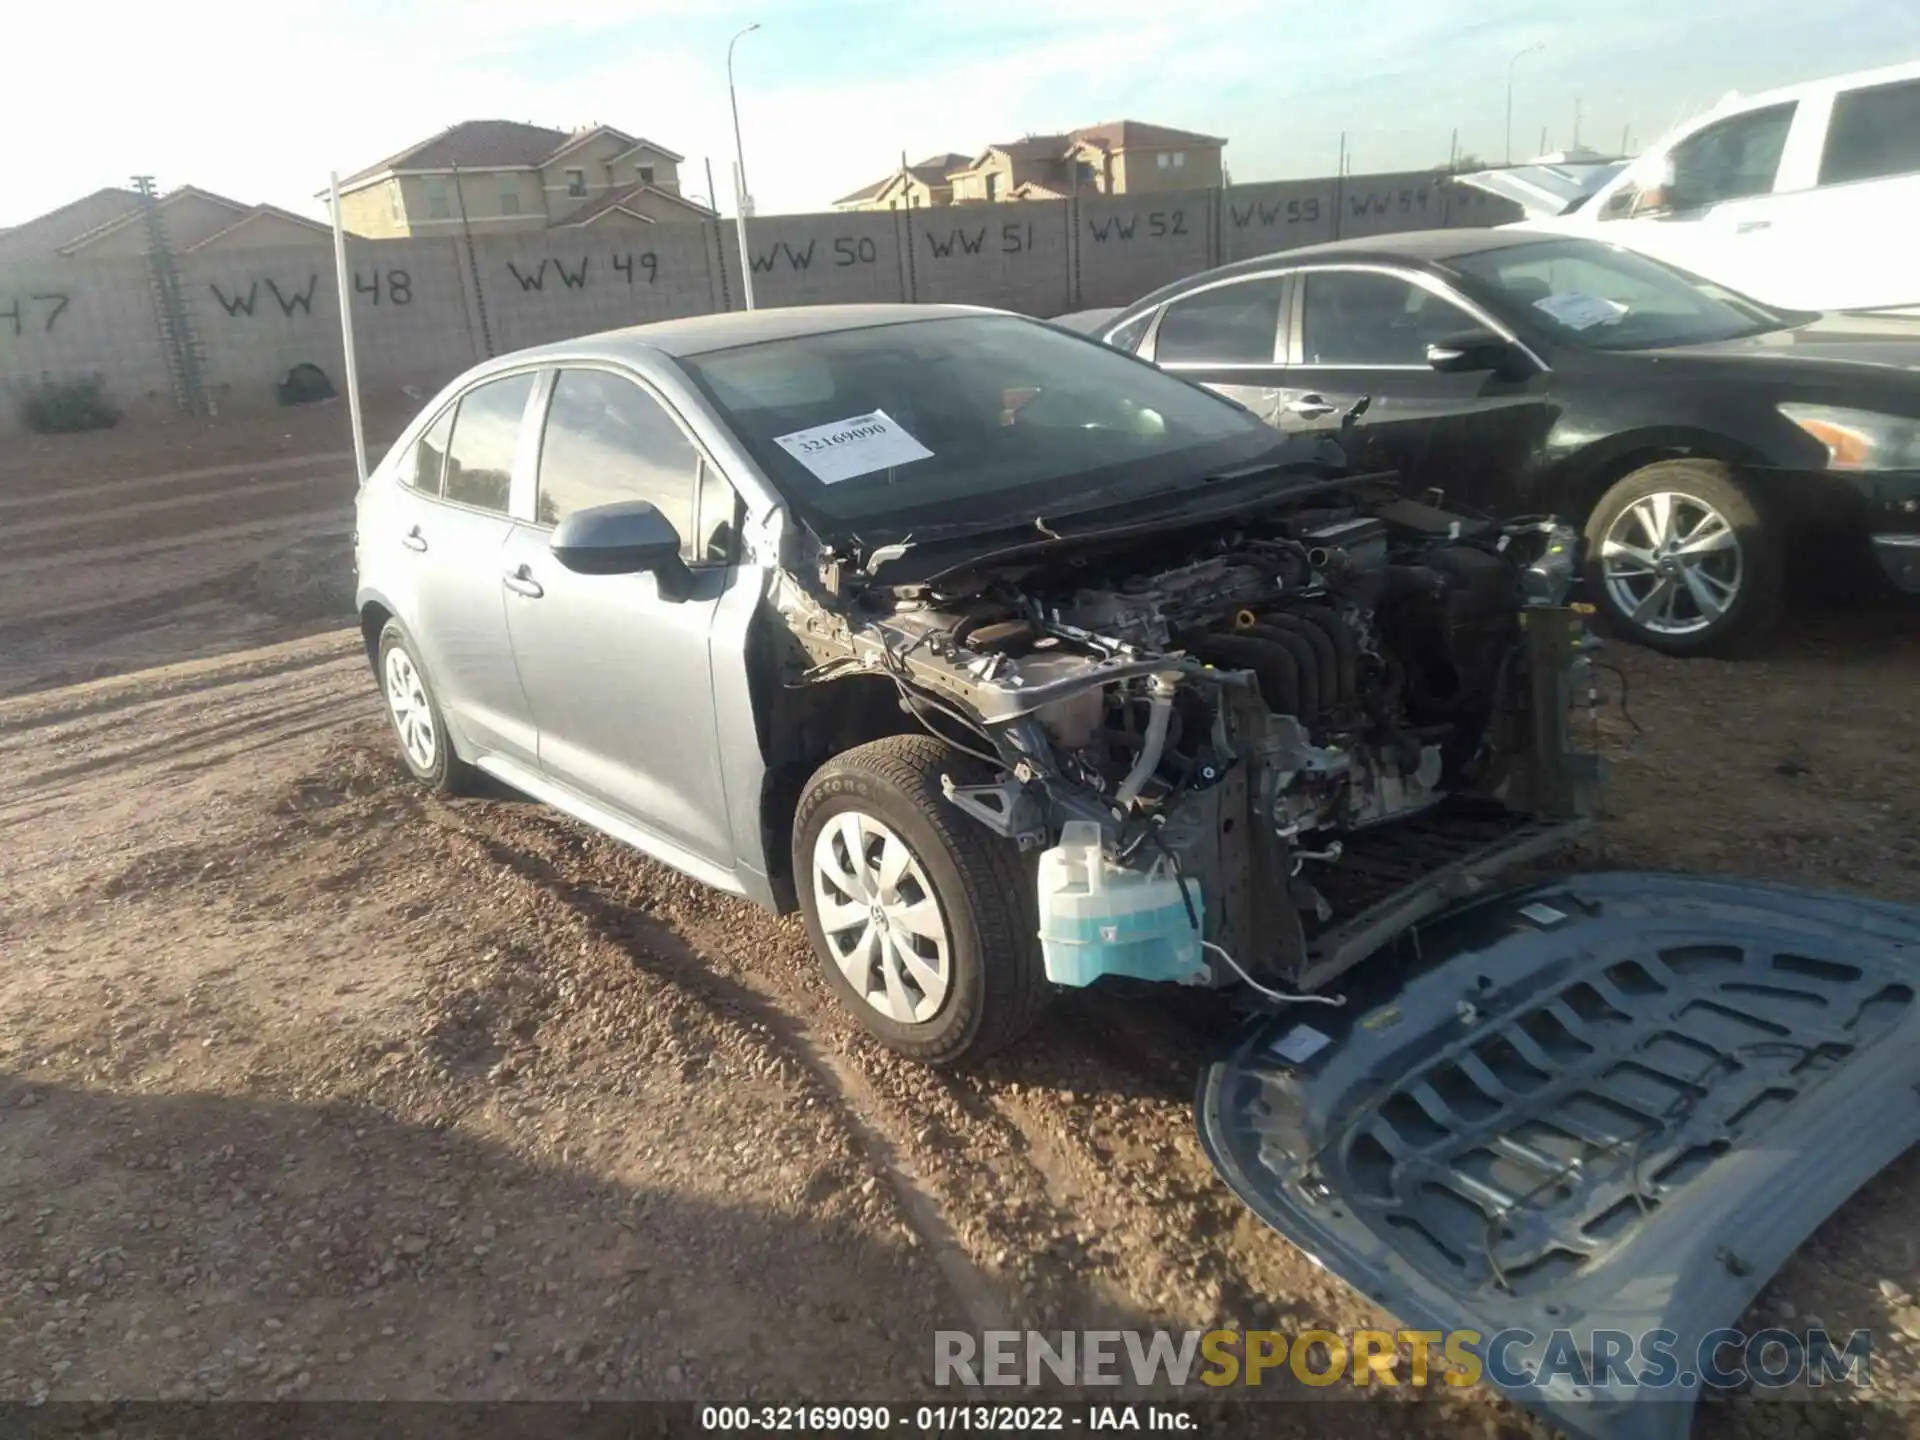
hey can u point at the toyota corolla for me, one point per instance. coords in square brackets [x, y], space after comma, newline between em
[1010, 660]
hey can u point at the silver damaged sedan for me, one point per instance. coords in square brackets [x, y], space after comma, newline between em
[1011, 661]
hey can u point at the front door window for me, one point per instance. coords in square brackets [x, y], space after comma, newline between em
[1368, 318]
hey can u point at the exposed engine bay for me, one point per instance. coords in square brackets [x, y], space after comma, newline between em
[1243, 705]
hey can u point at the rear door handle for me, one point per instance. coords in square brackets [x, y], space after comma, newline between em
[521, 582]
[414, 540]
[1747, 227]
[1309, 407]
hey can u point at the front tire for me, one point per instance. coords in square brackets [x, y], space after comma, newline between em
[425, 747]
[923, 920]
[1681, 560]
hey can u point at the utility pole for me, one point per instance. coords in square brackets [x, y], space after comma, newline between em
[1576, 122]
[1543, 141]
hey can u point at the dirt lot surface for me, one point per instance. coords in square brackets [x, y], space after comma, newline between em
[312, 1085]
[134, 547]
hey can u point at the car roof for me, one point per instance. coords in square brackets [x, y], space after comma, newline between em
[1409, 247]
[1800, 89]
[698, 334]
[1419, 246]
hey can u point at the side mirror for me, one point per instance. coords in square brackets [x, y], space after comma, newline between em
[629, 537]
[1661, 195]
[1473, 350]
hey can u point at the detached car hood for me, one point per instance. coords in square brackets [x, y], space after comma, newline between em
[1616, 1102]
[1544, 191]
[1886, 343]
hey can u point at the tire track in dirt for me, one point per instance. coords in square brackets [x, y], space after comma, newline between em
[550, 852]
[105, 575]
[133, 699]
[90, 495]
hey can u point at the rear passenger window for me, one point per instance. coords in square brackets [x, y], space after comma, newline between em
[1237, 324]
[486, 431]
[1874, 131]
[608, 440]
[422, 469]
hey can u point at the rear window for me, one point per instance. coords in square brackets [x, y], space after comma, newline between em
[1875, 131]
[1129, 335]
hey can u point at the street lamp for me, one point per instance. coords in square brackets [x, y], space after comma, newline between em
[740, 172]
[1532, 49]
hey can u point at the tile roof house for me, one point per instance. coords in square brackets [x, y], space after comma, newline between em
[497, 176]
[920, 184]
[1121, 157]
[108, 223]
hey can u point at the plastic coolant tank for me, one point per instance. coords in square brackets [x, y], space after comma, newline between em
[1098, 918]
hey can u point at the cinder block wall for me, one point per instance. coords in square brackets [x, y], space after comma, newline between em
[424, 310]
[60, 320]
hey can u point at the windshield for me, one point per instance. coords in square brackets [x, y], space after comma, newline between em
[1594, 294]
[966, 419]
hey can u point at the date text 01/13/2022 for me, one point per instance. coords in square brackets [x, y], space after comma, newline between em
[934, 1419]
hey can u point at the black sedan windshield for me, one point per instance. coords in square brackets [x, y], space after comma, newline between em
[967, 418]
[1597, 295]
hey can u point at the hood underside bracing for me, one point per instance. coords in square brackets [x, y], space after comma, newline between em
[1614, 1102]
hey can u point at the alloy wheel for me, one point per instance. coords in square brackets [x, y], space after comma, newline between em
[1671, 563]
[881, 921]
[412, 715]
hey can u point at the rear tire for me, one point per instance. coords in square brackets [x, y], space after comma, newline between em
[923, 920]
[1681, 560]
[425, 746]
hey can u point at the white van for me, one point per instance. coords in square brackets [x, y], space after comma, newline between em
[1806, 197]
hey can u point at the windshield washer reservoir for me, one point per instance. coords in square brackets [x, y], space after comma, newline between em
[1101, 918]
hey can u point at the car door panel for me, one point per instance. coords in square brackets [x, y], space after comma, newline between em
[1469, 435]
[459, 620]
[621, 680]
[622, 689]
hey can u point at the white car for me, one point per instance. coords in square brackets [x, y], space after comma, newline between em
[1805, 198]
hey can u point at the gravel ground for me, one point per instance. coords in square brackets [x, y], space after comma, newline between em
[312, 1085]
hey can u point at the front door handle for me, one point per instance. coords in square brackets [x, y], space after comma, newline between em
[1310, 407]
[1747, 227]
[521, 582]
[414, 540]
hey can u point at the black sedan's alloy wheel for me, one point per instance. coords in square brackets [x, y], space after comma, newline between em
[1680, 560]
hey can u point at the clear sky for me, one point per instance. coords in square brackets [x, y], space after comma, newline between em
[260, 100]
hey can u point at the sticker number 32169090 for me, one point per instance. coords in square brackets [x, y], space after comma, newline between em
[858, 445]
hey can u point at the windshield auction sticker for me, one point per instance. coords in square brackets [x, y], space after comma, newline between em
[859, 445]
[1580, 312]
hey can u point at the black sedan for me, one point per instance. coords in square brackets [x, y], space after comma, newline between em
[1697, 436]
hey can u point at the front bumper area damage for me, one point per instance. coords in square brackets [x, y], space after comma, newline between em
[1250, 745]
[1611, 1103]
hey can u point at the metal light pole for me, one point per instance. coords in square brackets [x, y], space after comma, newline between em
[1532, 49]
[745, 202]
[343, 286]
